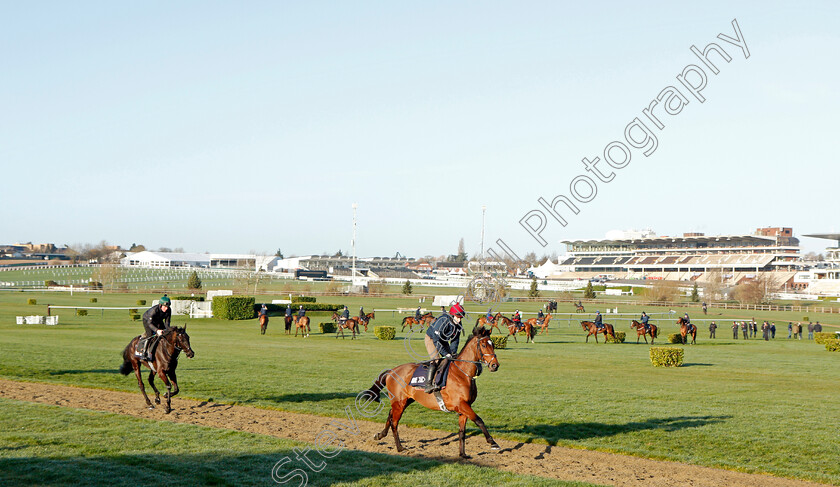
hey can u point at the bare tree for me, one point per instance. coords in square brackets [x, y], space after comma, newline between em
[758, 290]
[714, 285]
[663, 291]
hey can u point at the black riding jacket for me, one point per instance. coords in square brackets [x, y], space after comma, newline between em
[154, 319]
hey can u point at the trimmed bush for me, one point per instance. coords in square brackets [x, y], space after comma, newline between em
[832, 345]
[188, 298]
[93, 300]
[50, 283]
[95, 285]
[81, 312]
[303, 299]
[328, 327]
[822, 336]
[666, 356]
[233, 307]
[135, 316]
[31, 301]
[499, 341]
[141, 302]
[385, 332]
[675, 338]
[619, 337]
[132, 311]
[805, 318]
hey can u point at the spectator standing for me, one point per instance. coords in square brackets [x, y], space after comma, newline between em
[712, 328]
[810, 331]
[746, 332]
[818, 328]
[735, 330]
[790, 329]
[765, 331]
[800, 330]
[773, 330]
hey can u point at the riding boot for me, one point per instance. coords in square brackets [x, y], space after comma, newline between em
[430, 378]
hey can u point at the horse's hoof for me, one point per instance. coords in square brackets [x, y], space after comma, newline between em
[465, 456]
[377, 436]
[151, 406]
[168, 410]
[157, 400]
[495, 446]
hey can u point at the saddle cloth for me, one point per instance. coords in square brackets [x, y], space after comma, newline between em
[418, 379]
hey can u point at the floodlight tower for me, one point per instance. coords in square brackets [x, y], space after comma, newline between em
[353, 242]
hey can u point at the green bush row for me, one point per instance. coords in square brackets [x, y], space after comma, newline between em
[50, 283]
[832, 345]
[385, 332]
[328, 327]
[141, 302]
[619, 337]
[93, 300]
[499, 341]
[132, 311]
[81, 312]
[188, 298]
[666, 356]
[821, 337]
[233, 307]
[303, 299]
[135, 316]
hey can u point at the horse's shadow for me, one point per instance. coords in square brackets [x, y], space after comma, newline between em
[312, 396]
[553, 433]
[84, 371]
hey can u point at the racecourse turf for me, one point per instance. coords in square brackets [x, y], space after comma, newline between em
[751, 405]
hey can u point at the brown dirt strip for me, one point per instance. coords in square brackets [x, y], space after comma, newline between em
[522, 458]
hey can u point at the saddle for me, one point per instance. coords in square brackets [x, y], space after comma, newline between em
[540, 321]
[144, 343]
[418, 379]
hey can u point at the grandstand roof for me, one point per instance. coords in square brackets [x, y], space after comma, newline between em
[828, 236]
[710, 238]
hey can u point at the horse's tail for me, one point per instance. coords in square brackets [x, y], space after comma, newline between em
[533, 331]
[126, 366]
[375, 390]
[405, 319]
[655, 332]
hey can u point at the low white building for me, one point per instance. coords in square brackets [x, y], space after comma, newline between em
[149, 258]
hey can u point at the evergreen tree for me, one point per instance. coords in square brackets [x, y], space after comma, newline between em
[194, 282]
[589, 293]
[695, 296]
[406, 289]
[534, 292]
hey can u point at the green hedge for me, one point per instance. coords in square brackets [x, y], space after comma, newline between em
[821, 337]
[81, 312]
[93, 300]
[31, 301]
[666, 356]
[805, 318]
[832, 345]
[303, 299]
[233, 307]
[132, 311]
[328, 327]
[638, 291]
[94, 285]
[499, 341]
[675, 338]
[385, 332]
[50, 283]
[135, 316]
[188, 298]
[141, 302]
[619, 337]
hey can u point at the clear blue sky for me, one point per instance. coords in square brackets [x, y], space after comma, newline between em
[231, 127]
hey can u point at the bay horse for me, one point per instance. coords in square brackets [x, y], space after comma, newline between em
[263, 323]
[527, 328]
[482, 321]
[641, 332]
[351, 324]
[425, 320]
[579, 307]
[543, 326]
[302, 324]
[458, 395]
[684, 330]
[163, 363]
[366, 319]
[289, 321]
[589, 326]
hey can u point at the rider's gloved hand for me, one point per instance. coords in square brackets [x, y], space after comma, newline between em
[160, 332]
[448, 355]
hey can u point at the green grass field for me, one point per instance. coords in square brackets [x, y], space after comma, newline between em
[753, 406]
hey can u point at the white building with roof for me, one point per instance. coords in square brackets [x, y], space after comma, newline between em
[153, 259]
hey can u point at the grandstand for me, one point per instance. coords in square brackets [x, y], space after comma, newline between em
[691, 257]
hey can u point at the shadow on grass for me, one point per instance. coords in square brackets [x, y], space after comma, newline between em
[114, 370]
[311, 396]
[698, 365]
[552, 433]
[206, 469]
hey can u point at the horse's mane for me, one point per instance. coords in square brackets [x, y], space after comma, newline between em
[478, 332]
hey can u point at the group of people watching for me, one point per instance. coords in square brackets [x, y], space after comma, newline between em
[750, 329]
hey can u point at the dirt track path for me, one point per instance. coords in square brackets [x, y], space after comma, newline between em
[547, 461]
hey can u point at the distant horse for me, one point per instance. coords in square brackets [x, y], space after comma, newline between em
[687, 329]
[482, 321]
[543, 326]
[642, 332]
[351, 324]
[589, 326]
[302, 324]
[366, 319]
[579, 307]
[263, 323]
[164, 362]
[289, 321]
[527, 328]
[425, 320]
[458, 395]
